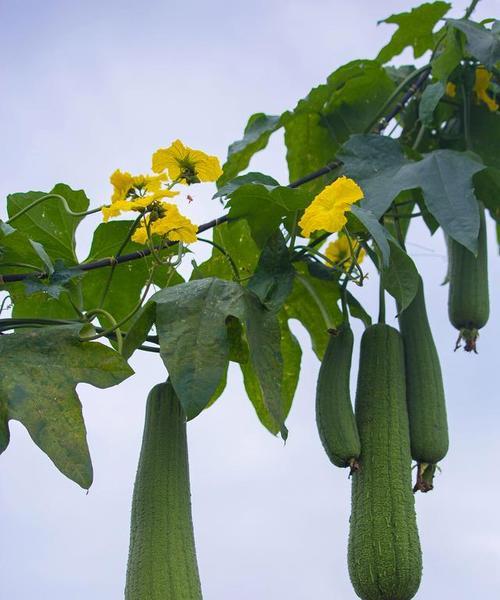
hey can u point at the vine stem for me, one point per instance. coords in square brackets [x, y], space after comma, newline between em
[471, 8]
[381, 299]
[317, 300]
[47, 197]
[226, 254]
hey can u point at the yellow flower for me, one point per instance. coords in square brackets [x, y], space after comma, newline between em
[339, 251]
[128, 186]
[481, 84]
[451, 89]
[185, 164]
[168, 222]
[327, 210]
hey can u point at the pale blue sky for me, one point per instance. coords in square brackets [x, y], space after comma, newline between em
[91, 86]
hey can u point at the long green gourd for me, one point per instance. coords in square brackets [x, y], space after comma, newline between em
[384, 555]
[162, 560]
[334, 414]
[468, 298]
[424, 392]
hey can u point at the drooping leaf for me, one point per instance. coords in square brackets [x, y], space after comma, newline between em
[444, 176]
[291, 353]
[17, 247]
[482, 43]
[487, 188]
[191, 322]
[273, 279]
[256, 135]
[376, 230]
[264, 343]
[429, 101]
[40, 370]
[400, 277]
[191, 325]
[415, 29]
[313, 302]
[48, 223]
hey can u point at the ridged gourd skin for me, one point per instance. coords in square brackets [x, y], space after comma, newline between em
[334, 414]
[468, 297]
[384, 556]
[424, 389]
[162, 559]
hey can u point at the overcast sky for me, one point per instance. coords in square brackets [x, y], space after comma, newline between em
[88, 87]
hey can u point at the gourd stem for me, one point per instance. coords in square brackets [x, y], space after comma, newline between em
[381, 298]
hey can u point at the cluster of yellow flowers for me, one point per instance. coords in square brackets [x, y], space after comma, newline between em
[481, 85]
[145, 193]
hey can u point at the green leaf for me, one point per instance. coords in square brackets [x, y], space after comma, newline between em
[415, 29]
[400, 277]
[40, 370]
[253, 177]
[257, 132]
[60, 280]
[17, 247]
[449, 57]
[484, 134]
[273, 279]
[238, 346]
[264, 208]
[444, 176]
[303, 304]
[48, 223]
[482, 43]
[291, 353]
[264, 343]
[191, 325]
[375, 229]
[429, 101]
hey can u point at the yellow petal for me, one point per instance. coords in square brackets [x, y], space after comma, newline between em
[481, 84]
[451, 89]
[327, 210]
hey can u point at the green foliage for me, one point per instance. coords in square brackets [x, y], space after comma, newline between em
[48, 223]
[444, 176]
[58, 281]
[273, 278]
[482, 43]
[264, 208]
[429, 102]
[40, 371]
[415, 29]
[256, 135]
